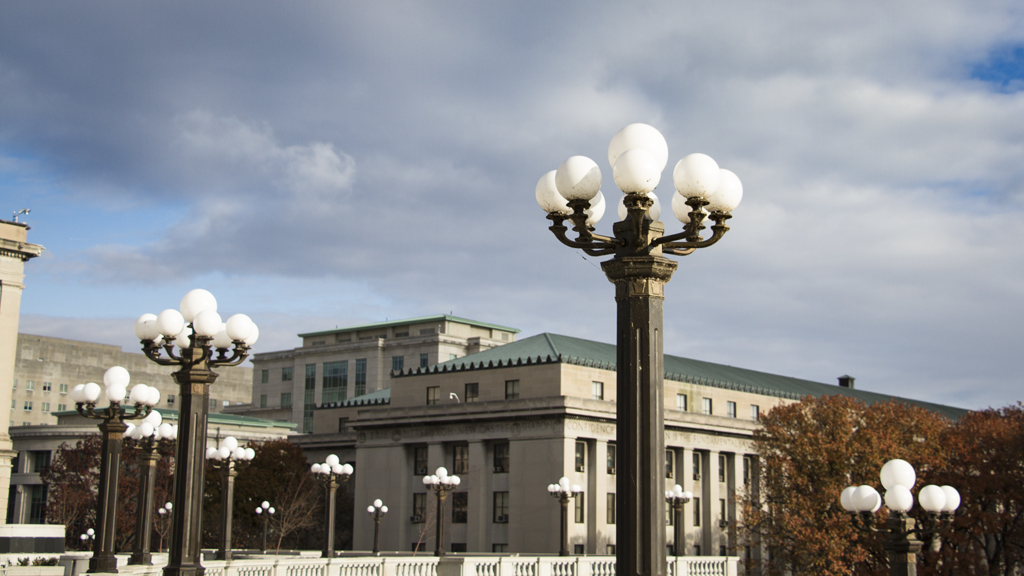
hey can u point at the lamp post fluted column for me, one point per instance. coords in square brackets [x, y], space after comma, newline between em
[196, 340]
[639, 270]
[442, 484]
[332, 473]
[149, 435]
[563, 492]
[676, 498]
[223, 460]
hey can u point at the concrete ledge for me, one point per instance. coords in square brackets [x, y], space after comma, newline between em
[31, 539]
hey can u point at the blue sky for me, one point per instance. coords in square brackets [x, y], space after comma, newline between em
[340, 163]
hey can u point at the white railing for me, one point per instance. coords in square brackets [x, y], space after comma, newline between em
[452, 565]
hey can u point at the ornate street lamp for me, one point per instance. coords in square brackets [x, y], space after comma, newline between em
[902, 532]
[563, 492]
[164, 513]
[223, 460]
[148, 433]
[441, 483]
[638, 154]
[676, 498]
[331, 474]
[112, 429]
[196, 340]
[90, 534]
[266, 511]
[378, 509]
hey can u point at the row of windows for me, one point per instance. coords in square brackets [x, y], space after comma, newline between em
[707, 407]
[397, 364]
[30, 386]
[472, 392]
[43, 406]
[460, 459]
[581, 458]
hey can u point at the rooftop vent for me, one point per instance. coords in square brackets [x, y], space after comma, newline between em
[847, 382]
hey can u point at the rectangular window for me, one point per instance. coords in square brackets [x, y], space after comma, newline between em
[721, 467]
[721, 510]
[263, 400]
[696, 465]
[37, 505]
[696, 548]
[580, 498]
[610, 508]
[286, 399]
[419, 508]
[499, 548]
[397, 363]
[286, 374]
[14, 404]
[755, 412]
[578, 549]
[30, 385]
[597, 390]
[670, 462]
[15, 387]
[44, 406]
[472, 392]
[342, 425]
[698, 512]
[308, 398]
[459, 547]
[40, 460]
[423, 361]
[170, 399]
[47, 386]
[360, 377]
[748, 464]
[62, 407]
[63, 388]
[433, 395]
[611, 459]
[501, 451]
[501, 507]
[669, 514]
[419, 461]
[511, 389]
[460, 459]
[264, 376]
[335, 384]
[730, 409]
[213, 404]
[707, 406]
[28, 405]
[460, 506]
[681, 402]
[581, 456]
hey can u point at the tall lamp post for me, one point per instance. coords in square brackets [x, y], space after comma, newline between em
[195, 340]
[112, 429]
[638, 154]
[223, 459]
[378, 509]
[902, 540]
[148, 433]
[266, 511]
[563, 492]
[331, 474]
[676, 498]
[441, 483]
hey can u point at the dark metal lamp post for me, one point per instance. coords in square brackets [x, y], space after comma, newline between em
[676, 498]
[164, 512]
[563, 492]
[378, 509]
[196, 340]
[331, 474]
[441, 483]
[112, 429]
[638, 154]
[223, 460]
[266, 511]
[149, 433]
[902, 532]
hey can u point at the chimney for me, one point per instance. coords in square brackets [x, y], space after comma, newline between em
[847, 382]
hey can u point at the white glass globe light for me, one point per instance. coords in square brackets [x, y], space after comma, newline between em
[378, 503]
[866, 499]
[548, 197]
[145, 327]
[250, 453]
[221, 340]
[184, 338]
[696, 175]
[347, 469]
[952, 499]
[315, 468]
[239, 326]
[166, 431]
[456, 480]
[146, 429]
[116, 393]
[427, 481]
[154, 418]
[578, 178]
[681, 209]
[728, 195]
[116, 376]
[932, 498]
[384, 509]
[898, 472]
[238, 453]
[337, 469]
[130, 431]
[253, 337]
[207, 323]
[139, 394]
[91, 392]
[576, 488]
[170, 322]
[370, 509]
[441, 472]
[195, 302]
[154, 396]
[230, 443]
[333, 460]
[596, 210]
[846, 499]
[636, 172]
[899, 499]
[224, 453]
[265, 505]
[643, 136]
[76, 393]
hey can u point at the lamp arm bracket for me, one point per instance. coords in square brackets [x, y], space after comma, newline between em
[692, 241]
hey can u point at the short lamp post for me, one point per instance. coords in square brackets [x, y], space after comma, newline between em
[195, 340]
[676, 498]
[563, 492]
[441, 483]
[223, 460]
[378, 509]
[639, 270]
[903, 535]
[164, 513]
[90, 534]
[112, 429]
[148, 433]
[332, 473]
[266, 511]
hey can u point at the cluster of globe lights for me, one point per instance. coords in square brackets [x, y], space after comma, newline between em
[165, 509]
[332, 465]
[116, 380]
[677, 493]
[564, 488]
[378, 504]
[898, 477]
[265, 507]
[152, 426]
[230, 450]
[638, 155]
[197, 315]
[441, 478]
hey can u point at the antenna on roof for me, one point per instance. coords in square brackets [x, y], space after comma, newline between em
[20, 212]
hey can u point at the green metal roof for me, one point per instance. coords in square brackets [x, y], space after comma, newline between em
[212, 418]
[412, 321]
[551, 348]
[373, 398]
